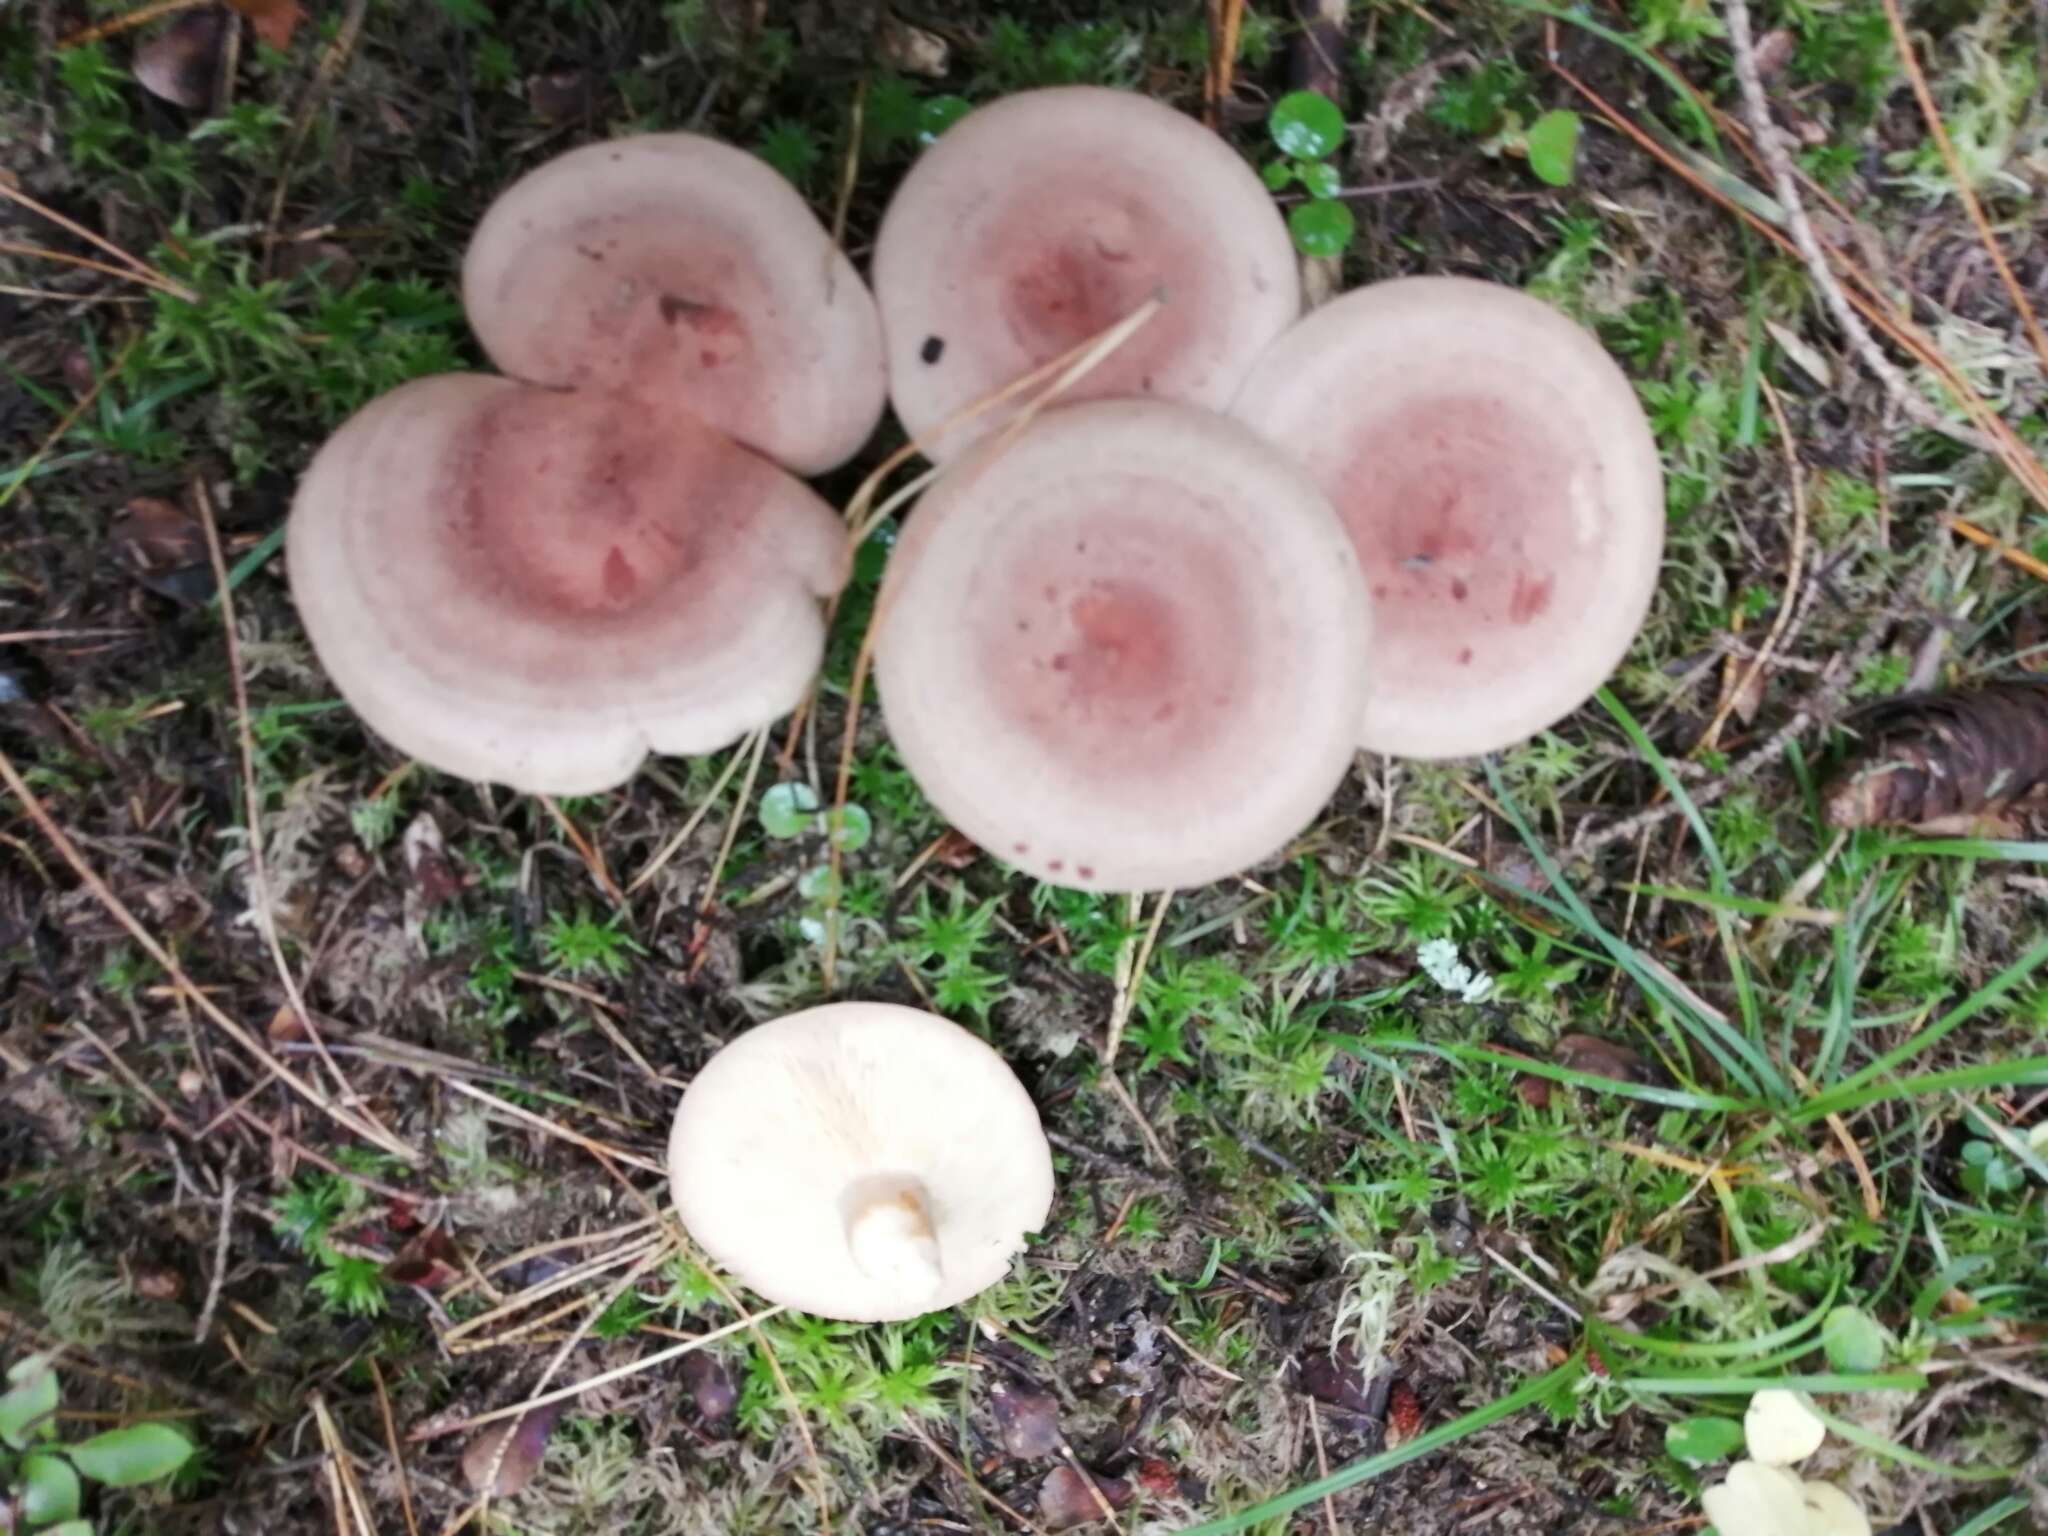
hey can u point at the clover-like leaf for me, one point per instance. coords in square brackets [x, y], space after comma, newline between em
[49, 1489]
[1553, 146]
[1306, 125]
[789, 810]
[1698, 1441]
[1321, 228]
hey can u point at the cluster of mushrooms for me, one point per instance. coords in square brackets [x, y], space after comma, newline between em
[1132, 642]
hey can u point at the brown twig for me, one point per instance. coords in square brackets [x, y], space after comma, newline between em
[2018, 558]
[44, 253]
[252, 799]
[331, 60]
[1226, 21]
[586, 851]
[391, 1444]
[140, 270]
[114, 26]
[223, 1233]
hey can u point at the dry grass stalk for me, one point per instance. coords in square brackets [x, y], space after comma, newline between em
[252, 806]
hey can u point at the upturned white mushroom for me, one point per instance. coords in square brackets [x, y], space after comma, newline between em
[1781, 1428]
[860, 1161]
[1757, 1500]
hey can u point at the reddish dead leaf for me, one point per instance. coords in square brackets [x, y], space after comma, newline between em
[1750, 682]
[165, 548]
[1158, 1479]
[286, 1026]
[1336, 1378]
[709, 1382]
[1065, 1499]
[401, 1215]
[428, 1260]
[181, 63]
[1533, 1091]
[1600, 1058]
[525, 1442]
[433, 873]
[273, 20]
[1027, 1420]
[956, 851]
[1948, 763]
[1404, 1415]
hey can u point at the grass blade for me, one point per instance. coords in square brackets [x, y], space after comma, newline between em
[1529, 1393]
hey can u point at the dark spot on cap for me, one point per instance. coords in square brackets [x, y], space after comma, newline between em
[933, 349]
[1459, 590]
[1056, 865]
[1465, 657]
[1086, 871]
[1021, 847]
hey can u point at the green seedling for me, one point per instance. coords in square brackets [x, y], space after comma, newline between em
[45, 1479]
[1307, 129]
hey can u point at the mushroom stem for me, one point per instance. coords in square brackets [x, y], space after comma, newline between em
[889, 1231]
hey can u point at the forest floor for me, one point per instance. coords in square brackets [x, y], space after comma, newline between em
[1748, 1098]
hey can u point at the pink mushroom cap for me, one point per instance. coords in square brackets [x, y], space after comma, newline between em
[681, 268]
[1501, 487]
[1127, 649]
[538, 588]
[1043, 218]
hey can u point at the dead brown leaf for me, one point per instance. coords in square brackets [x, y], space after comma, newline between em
[1065, 1499]
[274, 21]
[525, 1442]
[1027, 1420]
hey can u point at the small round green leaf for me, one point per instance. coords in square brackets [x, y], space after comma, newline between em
[69, 1528]
[1553, 146]
[818, 884]
[789, 810]
[1306, 124]
[1277, 173]
[26, 1407]
[1696, 1442]
[139, 1453]
[938, 114]
[49, 1490]
[1320, 178]
[1321, 228]
[1854, 1340]
[849, 827]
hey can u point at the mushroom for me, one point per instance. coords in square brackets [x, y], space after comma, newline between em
[1780, 1427]
[672, 266]
[1832, 1512]
[1045, 217]
[1758, 1500]
[538, 587]
[860, 1161]
[1125, 650]
[1502, 489]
